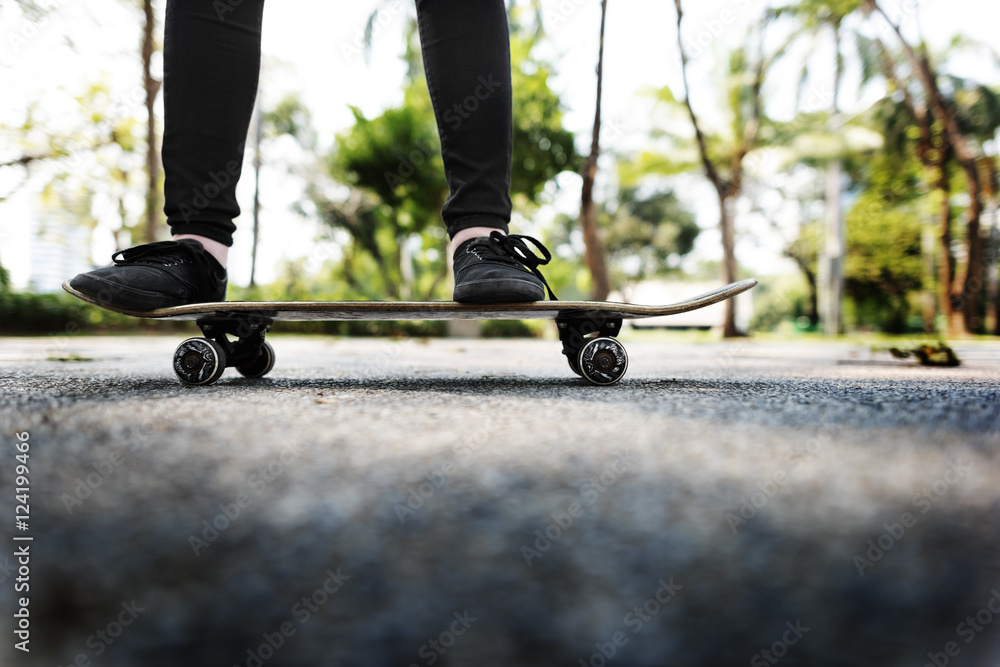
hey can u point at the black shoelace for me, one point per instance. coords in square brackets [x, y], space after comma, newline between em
[155, 253]
[514, 246]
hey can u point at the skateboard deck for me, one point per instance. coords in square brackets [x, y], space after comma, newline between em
[586, 328]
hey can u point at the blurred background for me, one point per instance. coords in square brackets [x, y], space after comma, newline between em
[848, 158]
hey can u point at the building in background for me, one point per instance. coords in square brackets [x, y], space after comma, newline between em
[58, 249]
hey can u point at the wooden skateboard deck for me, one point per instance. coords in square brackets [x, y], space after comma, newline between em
[586, 328]
[423, 310]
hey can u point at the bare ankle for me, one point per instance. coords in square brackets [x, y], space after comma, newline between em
[217, 250]
[470, 233]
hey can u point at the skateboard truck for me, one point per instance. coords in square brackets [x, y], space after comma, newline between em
[199, 361]
[591, 348]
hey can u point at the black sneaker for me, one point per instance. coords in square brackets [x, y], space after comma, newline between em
[500, 269]
[155, 275]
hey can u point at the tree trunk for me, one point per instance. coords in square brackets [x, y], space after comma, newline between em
[992, 290]
[946, 269]
[802, 261]
[971, 281]
[832, 261]
[601, 285]
[927, 297]
[152, 87]
[406, 274]
[729, 328]
[727, 189]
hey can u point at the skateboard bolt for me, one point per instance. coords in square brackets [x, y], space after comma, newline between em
[604, 361]
[191, 360]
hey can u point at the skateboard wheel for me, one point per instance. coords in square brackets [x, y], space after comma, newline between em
[602, 361]
[199, 361]
[572, 365]
[260, 366]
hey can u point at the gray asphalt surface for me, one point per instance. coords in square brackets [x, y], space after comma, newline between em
[465, 502]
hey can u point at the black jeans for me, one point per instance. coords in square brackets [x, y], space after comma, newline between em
[211, 63]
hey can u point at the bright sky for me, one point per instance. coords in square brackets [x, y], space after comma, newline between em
[309, 48]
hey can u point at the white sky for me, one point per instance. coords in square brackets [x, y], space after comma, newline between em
[308, 46]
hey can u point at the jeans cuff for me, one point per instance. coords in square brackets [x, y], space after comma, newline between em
[476, 221]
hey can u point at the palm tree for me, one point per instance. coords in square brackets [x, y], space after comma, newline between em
[964, 299]
[949, 133]
[818, 17]
[723, 157]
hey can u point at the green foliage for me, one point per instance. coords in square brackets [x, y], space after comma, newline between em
[977, 107]
[814, 13]
[28, 313]
[929, 355]
[514, 328]
[396, 157]
[290, 116]
[804, 250]
[542, 148]
[392, 165]
[645, 236]
[884, 262]
[781, 303]
[97, 155]
[648, 235]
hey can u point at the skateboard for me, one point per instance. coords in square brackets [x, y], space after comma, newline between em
[234, 331]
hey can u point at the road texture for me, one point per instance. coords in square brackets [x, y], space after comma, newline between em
[468, 502]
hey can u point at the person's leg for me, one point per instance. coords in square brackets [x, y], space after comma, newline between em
[466, 52]
[211, 61]
[211, 64]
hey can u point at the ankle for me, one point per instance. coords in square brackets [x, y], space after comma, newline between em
[217, 250]
[464, 235]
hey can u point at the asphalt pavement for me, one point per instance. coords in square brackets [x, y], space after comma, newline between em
[473, 502]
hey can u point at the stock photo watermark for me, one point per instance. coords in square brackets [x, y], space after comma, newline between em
[454, 117]
[301, 612]
[779, 649]
[562, 520]
[711, 29]
[85, 486]
[202, 197]
[258, 482]
[435, 647]
[892, 533]
[635, 620]
[103, 638]
[31, 28]
[22, 552]
[768, 488]
[418, 495]
[968, 630]
[409, 163]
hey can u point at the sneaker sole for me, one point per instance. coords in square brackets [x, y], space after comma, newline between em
[498, 291]
[107, 293]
